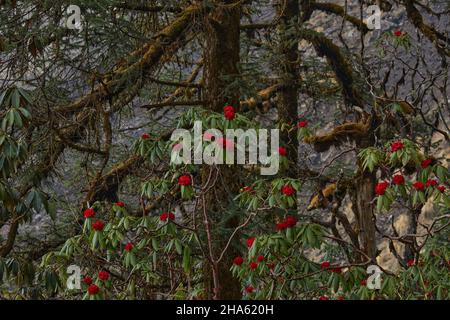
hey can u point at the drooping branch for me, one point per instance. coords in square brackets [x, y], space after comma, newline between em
[107, 185]
[167, 41]
[437, 38]
[340, 134]
[341, 67]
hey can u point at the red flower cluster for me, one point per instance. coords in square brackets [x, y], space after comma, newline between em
[441, 189]
[431, 183]
[324, 298]
[260, 258]
[425, 163]
[250, 242]
[87, 280]
[89, 213]
[184, 180]
[364, 282]
[98, 225]
[103, 275]
[380, 188]
[324, 265]
[282, 151]
[128, 247]
[410, 263]
[287, 190]
[249, 289]
[166, 215]
[238, 260]
[336, 270]
[229, 112]
[247, 189]
[302, 124]
[93, 290]
[120, 204]
[398, 179]
[288, 222]
[253, 265]
[145, 136]
[398, 33]
[418, 185]
[396, 145]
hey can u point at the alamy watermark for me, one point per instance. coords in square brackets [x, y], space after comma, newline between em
[221, 149]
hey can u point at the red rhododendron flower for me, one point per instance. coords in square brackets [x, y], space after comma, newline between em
[103, 275]
[98, 225]
[184, 180]
[381, 187]
[397, 33]
[120, 204]
[431, 183]
[87, 280]
[441, 189]
[281, 226]
[93, 289]
[290, 221]
[336, 270]
[238, 260]
[260, 258]
[425, 163]
[229, 112]
[364, 282]
[228, 108]
[145, 136]
[249, 289]
[324, 298]
[89, 213]
[396, 145]
[287, 190]
[410, 263]
[253, 265]
[398, 179]
[282, 151]
[419, 186]
[128, 247]
[324, 265]
[166, 215]
[250, 241]
[247, 189]
[302, 123]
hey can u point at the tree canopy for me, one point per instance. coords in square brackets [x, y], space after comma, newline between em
[93, 205]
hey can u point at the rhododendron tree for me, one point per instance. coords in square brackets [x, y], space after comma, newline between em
[90, 122]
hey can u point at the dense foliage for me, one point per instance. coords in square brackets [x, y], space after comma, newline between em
[90, 192]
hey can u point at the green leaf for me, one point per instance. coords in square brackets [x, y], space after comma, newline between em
[186, 259]
[15, 98]
[178, 246]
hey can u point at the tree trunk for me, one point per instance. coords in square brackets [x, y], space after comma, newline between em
[287, 104]
[221, 65]
[364, 188]
[288, 95]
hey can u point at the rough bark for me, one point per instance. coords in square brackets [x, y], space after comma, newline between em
[221, 64]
